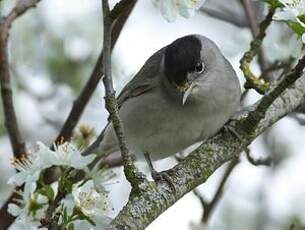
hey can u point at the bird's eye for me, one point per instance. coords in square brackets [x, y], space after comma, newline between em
[199, 67]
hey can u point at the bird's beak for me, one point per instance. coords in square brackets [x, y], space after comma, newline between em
[187, 92]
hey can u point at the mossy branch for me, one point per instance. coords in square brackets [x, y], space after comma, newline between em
[252, 81]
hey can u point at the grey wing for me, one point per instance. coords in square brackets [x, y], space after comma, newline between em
[145, 80]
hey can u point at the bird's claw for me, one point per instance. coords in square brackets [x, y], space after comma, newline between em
[163, 176]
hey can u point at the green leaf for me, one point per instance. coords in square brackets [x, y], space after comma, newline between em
[65, 216]
[70, 226]
[302, 18]
[47, 191]
[65, 185]
[296, 27]
[274, 3]
[34, 207]
[82, 216]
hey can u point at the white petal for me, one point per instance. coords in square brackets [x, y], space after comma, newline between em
[68, 155]
[25, 223]
[169, 10]
[29, 188]
[286, 15]
[68, 204]
[14, 209]
[18, 178]
[80, 162]
[45, 157]
[101, 221]
[186, 10]
[303, 38]
[296, 46]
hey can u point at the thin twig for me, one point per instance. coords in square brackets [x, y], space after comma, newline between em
[257, 115]
[209, 207]
[254, 27]
[202, 200]
[11, 124]
[131, 172]
[119, 18]
[253, 81]
[276, 66]
[251, 15]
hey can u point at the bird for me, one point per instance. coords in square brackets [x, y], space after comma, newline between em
[184, 93]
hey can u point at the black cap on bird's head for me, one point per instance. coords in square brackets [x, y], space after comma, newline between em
[182, 57]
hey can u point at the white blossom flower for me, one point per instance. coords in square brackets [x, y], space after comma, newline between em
[292, 11]
[29, 169]
[27, 219]
[171, 8]
[89, 200]
[26, 223]
[100, 218]
[100, 176]
[68, 154]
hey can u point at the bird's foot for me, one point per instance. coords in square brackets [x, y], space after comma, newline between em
[163, 176]
[232, 130]
[159, 176]
[229, 127]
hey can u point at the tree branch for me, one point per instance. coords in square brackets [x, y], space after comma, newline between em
[11, 124]
[254, 27]
[253, 81]
[257, 115]
[119, 17]
[210, 206]
[142, 208]
[131, 172]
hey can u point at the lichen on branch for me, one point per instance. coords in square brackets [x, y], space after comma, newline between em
[252, 81]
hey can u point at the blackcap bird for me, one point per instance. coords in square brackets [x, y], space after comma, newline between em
[183, 94]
